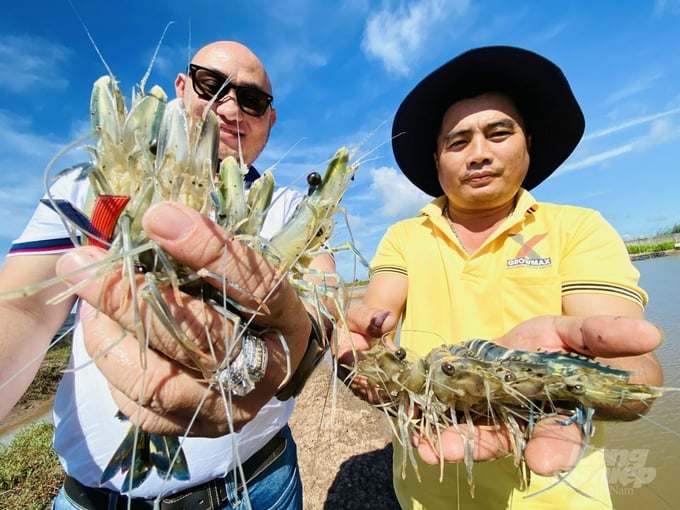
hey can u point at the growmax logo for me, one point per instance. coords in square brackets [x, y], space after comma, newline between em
[522, 261]
[526, 255]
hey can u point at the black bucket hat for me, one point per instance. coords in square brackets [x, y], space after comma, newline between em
[538, 88]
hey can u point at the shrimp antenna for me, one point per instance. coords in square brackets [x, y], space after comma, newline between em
[285, 154]
[89, 36]
[153, 57]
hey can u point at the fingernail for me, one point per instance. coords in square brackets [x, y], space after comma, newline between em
[166, 221]
[662, 335]
[379, 319]
[76, 260]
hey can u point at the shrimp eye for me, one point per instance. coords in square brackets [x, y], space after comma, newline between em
[313, 179]
[400, 354]
[448, 368]
[509, 377]
[577, 389]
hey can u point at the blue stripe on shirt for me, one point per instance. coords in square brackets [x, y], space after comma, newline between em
[44, 245]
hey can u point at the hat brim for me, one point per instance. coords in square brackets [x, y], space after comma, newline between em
[538, 88]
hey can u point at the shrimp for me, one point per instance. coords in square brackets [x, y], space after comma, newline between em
[456, 384]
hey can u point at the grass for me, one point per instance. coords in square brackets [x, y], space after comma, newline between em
[30, 473]
[48, 377]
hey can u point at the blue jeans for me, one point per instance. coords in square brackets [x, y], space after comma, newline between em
[278, 487]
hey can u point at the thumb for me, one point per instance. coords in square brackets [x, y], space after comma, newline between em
[370, 321]
[186, 235]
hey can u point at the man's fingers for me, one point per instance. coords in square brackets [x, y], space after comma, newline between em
[188, 236]
[199, 243]
[371, 393]
[554, 447]
[489, 444]
[130, 368]
[169, 423]
[145, 386]
[606, 336]
[610, 336]
[197, 324]
[369, 321]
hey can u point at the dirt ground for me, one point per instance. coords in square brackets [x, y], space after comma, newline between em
[346, 459]
[345, 456]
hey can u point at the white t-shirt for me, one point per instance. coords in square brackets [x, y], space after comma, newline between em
[87, 431]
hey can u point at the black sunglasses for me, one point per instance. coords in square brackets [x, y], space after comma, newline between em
[208, 84]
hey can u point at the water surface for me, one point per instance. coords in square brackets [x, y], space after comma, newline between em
[644, 454]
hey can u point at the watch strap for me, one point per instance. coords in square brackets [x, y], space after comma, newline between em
[316, 348]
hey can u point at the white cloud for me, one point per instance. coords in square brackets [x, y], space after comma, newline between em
[18, 143]
[286, 65]
[662, 7]
[397, 37]
[356, 223]
[640, 85]
[399, 198]
[631, 123]
[594, 159]
[31, 63]
[661, 130]
[23, 157]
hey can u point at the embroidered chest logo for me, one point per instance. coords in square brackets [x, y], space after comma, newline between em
[526, 255]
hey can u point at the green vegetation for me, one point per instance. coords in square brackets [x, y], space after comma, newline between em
[30, 474]
[635, 249]
[48, 377]
[675, 229]
[638, 247]
[358, 283]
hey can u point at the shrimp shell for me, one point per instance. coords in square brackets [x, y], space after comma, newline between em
[479, 379]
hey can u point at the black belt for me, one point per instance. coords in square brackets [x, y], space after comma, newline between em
[206, 496]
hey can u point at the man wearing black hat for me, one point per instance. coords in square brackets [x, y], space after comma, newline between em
[485, 257]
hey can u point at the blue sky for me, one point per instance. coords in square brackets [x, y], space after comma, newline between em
[339, 71]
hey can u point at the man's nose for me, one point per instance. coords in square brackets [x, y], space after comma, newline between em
[480, 152]
[228, 107]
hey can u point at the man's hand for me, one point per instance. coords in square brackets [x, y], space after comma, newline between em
[367, 326]
[554, 447]
[601, 335]
[173, 388]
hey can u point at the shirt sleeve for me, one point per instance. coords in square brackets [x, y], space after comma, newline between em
[46, 232]
[595, 260]
[389, 258]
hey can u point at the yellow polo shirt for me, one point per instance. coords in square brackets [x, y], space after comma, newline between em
[541, 253]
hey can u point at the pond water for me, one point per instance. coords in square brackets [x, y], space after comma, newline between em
[643, 455]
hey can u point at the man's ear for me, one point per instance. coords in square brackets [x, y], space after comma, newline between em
[272, 117]
[180, 85]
